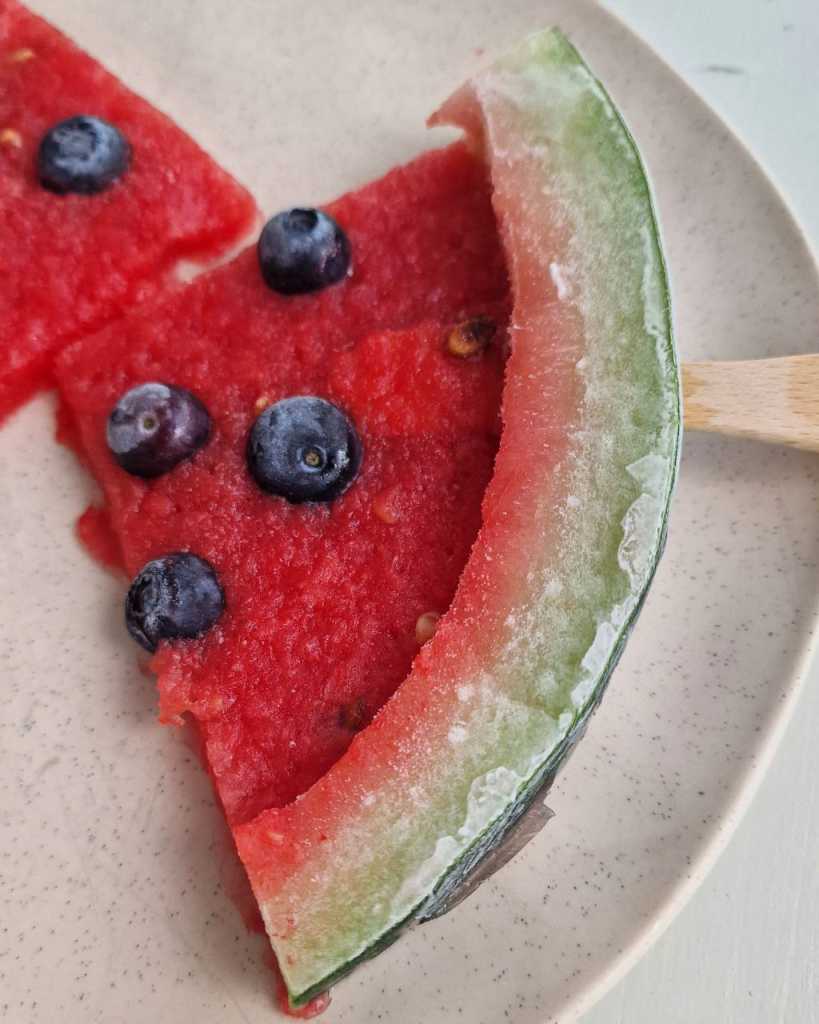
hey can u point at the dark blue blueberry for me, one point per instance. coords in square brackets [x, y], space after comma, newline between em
[153, 427]
[302, 251]
[82, 154]
[303, 449]
[174, 597]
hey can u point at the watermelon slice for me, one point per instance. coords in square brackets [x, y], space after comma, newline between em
[322, 601]
[69, 263]
[353, 821]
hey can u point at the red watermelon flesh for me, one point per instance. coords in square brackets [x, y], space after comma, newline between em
[322, 600]
[70, 263]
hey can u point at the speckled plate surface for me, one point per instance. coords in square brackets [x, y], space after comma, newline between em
[117, 881]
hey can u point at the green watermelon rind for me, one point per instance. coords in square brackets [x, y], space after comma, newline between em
[537, 785]
[554, 53]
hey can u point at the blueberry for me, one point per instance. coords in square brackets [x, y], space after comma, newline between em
[302, 251]
[174, 597]
[82, 154]
[303, 449]
[155, 426]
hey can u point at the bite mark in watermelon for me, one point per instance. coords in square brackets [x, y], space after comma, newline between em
[70, 263]
[572, 524]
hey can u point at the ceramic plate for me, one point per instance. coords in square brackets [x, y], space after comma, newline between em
[118, 881]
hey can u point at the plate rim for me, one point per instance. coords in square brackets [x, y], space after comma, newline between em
[773, 731]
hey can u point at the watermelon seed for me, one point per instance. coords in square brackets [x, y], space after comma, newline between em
[10, 137]
[425, 626]
[20, 56]
[353, 716]
[385, 508]
[469, 338]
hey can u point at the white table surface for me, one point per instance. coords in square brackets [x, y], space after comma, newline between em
[746, 948]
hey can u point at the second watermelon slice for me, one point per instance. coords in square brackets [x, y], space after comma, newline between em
[71, 262]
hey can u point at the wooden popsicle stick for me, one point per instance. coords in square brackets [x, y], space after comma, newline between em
[773, 400]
